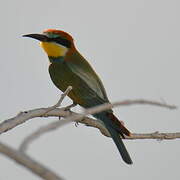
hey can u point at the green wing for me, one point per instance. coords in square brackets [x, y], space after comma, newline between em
[83, 69]
[87, 89]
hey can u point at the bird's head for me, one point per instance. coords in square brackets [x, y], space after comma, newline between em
[56, 43]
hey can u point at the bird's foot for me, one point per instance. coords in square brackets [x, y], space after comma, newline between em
[76, 124]
[68, 108]
[59, 118]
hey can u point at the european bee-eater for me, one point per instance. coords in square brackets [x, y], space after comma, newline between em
[69, 68]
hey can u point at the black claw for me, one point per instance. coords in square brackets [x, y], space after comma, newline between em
[76, 124]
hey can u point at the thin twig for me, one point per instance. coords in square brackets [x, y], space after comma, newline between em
[58, 104]
[29, 163]
[42, 130]
[155, 135]
[106, 106]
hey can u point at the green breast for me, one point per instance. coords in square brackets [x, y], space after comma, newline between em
[62, 76]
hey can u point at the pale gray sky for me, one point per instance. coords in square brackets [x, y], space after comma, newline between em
[134, 47]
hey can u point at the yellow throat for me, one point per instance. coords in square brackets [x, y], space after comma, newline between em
[53, 49]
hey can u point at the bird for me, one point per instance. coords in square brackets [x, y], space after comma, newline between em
[69, 68]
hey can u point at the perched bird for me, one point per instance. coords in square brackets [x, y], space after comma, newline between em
[69, 68]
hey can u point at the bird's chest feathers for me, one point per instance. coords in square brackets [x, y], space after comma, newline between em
[53, 49]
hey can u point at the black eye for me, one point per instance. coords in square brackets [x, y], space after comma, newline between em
[61, 41]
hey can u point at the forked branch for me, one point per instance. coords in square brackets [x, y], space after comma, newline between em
[53, 111]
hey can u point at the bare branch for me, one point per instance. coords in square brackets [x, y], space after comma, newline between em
[145, 102]
[29, 163]
[42, 130]
[42, 112]
[155, 135]
[22, 117]
[96, 109]
[107, 106]
[98, 124]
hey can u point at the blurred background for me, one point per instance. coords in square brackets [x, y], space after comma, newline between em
[134, 47]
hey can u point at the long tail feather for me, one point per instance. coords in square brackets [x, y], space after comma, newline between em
[120, 145]
[115, 134]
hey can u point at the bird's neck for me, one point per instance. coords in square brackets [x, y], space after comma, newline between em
[59, 59]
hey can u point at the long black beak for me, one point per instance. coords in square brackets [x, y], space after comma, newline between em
[39, 37]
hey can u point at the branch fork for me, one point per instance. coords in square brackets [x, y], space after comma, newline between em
[54, 111]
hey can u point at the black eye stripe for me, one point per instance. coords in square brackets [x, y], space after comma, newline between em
[61, 41]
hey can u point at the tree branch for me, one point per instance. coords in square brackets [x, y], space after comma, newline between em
[36, 134]
[61, 112]
[69, 116]
[26, 115]
[156, 135]
[98, 124]
[28, 162]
